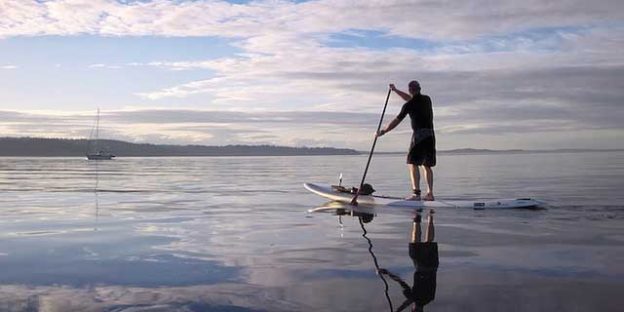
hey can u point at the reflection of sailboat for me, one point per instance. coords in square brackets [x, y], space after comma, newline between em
[95, 192]
[94, 152]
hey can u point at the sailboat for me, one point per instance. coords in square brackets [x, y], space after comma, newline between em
[96, 153]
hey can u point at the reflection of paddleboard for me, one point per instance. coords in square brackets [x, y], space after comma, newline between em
[327, 191]
[338, 207]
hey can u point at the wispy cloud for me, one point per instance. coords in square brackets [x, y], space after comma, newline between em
[179, 65]
[8, 67]
[220, 18]
[105, 66]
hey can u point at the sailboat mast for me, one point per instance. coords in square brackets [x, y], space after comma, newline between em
[98, 154]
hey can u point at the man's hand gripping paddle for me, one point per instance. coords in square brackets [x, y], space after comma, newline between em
[370, 155]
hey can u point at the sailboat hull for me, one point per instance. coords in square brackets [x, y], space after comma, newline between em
[99, 157]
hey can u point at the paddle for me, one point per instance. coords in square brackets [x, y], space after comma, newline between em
[370, 155]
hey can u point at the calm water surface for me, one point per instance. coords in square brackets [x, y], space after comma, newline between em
[233, 234]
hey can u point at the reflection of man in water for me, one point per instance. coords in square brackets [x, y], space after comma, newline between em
[425, 257]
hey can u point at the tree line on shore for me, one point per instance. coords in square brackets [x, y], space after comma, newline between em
[49, 147]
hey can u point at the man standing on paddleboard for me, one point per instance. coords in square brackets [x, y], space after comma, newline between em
[422, 151]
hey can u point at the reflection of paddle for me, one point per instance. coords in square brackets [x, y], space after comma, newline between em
[370, 155]
[377, 269]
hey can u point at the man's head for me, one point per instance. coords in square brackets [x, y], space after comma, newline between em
[414, 87]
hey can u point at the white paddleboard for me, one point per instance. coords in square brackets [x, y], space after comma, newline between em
[327, 191]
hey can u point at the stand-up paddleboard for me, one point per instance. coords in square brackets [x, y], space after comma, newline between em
[329, 192]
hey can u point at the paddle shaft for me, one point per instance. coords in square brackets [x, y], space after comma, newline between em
[370, 155]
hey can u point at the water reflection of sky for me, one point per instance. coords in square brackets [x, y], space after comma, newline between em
[190, 235]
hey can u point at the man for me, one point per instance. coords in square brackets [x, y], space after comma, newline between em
[422, 148]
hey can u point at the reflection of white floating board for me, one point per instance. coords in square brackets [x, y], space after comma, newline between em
[326, 190]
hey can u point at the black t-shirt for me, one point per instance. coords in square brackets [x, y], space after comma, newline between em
[420, 112]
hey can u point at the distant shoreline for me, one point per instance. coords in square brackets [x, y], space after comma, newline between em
[46, 147]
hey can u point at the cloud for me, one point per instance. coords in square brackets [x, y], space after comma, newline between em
[179, 65]
[223, 19]
[8, 67]
[353, 78]
[100, 65]
[184, 90]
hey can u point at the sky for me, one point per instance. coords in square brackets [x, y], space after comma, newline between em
[502, 74]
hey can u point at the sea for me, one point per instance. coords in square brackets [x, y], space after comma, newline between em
[236, 234]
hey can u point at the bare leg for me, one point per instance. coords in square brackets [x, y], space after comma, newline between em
[430, 229]
[429, 178]
[416, 234]
[415, 177]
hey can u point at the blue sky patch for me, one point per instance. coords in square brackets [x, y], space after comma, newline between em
[376, 40]
[111, 50]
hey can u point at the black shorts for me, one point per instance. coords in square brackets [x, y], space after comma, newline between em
[422, 153]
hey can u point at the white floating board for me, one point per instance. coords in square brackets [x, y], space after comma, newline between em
[327, 191]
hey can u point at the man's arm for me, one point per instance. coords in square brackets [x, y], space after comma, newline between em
[407, 290]
[395, 122]
[395, 278]
[403, 95]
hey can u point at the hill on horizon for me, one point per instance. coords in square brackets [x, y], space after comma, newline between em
[50, 147]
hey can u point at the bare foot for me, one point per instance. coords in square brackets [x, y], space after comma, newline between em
[429, 197]
[430, 215]
[413, 197]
